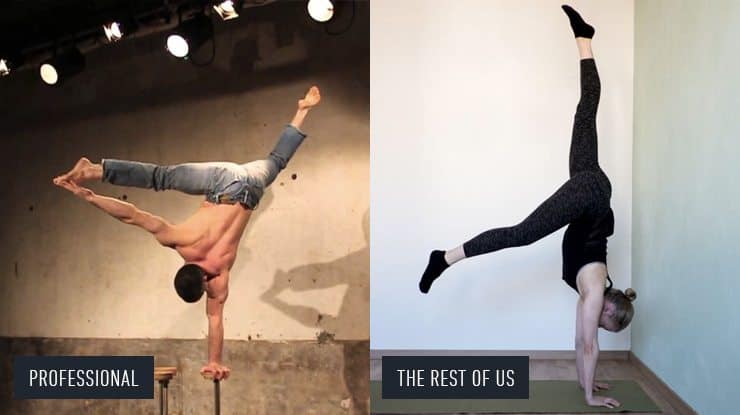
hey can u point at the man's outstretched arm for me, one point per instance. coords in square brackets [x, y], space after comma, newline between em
[125, 212]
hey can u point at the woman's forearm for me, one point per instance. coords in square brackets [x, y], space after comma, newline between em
[590, 358]
[579, 363]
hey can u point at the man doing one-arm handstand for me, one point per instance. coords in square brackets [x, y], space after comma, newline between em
[209, 239]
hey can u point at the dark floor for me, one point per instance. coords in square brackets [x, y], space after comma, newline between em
[618, 368]
[292, 377]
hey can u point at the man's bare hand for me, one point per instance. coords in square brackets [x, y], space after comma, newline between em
[215, 371]
[77, 190]
[312, 98]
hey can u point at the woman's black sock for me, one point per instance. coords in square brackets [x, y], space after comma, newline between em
[436, 266]
[580, 28]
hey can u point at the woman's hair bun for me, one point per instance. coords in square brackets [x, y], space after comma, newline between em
[630, 294]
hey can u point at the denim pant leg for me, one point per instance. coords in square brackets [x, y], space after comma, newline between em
[190, 178]
[261, 173]
[287, 144]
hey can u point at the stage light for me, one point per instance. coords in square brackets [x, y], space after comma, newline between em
[116, 30]
[177, 46]
[4, 67]
[62, 66]
[10, 62]
[226, 9]
[113, 32]
[49, 73]
[189, 36]
[320, 10]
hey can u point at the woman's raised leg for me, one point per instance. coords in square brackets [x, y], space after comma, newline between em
[584, 153]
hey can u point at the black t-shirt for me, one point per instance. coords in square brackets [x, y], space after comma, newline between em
[585, 242]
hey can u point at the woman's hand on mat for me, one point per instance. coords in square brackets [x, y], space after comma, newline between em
[598, 386]
[215, 371]
[603, 401]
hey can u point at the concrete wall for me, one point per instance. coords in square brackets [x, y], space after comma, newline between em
[477, 137]
[686, 204]
[75, 281]
[69, 270]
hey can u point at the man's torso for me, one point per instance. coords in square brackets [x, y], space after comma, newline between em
[210, 237]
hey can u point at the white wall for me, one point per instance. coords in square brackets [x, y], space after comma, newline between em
[687, 207]
[471, 111]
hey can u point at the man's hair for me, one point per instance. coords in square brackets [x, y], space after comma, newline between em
[189, 282]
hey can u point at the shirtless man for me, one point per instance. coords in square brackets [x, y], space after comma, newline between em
[209, 239]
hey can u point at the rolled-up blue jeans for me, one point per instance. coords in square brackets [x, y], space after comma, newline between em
[220, 182]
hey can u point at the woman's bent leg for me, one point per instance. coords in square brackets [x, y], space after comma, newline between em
[572, 200]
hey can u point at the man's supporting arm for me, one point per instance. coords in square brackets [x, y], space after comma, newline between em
[215, 309]
[215, 313]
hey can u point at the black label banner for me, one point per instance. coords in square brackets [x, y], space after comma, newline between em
[455, 377]
[83, 377]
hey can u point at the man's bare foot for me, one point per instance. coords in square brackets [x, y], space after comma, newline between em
[312, 98]
[83, 170]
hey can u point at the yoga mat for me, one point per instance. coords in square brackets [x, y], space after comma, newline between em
[545, 396]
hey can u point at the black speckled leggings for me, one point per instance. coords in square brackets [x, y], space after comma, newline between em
[587, 191]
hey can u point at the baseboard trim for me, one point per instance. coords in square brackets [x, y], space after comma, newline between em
[377, 354]
[679, 404]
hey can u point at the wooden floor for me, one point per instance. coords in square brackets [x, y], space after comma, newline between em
[557, 369]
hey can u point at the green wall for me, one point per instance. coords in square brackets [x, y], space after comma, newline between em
[686, 205]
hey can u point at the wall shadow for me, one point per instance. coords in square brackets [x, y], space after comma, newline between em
[351, 270]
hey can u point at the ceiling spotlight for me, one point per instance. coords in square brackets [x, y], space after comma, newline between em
[9, 63]
[4, 67]
[177, 46]
[115, 31]
[189, 36]
[320, 10]
[226, 9]
[61, 66]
